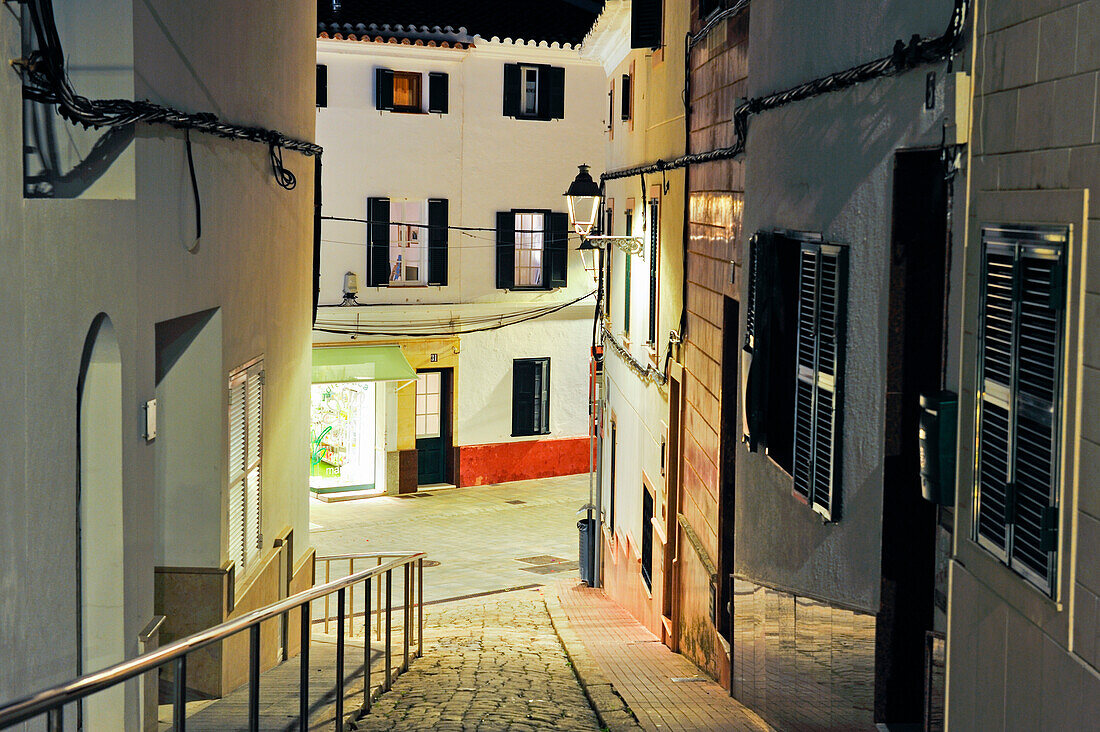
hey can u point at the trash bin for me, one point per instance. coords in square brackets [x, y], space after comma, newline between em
[586, 528]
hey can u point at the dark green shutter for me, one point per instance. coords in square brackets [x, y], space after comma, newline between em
[645, 23]
[383, 89]
[513, 88]
[755, 352]
[625, 94]
[542, 397]
[437, 241]
[626, 275]
[822, 299]
[1020, 368]
[523, 397]
[378, 256]
[437, 92]
[506, 250]
[557, 249]
[653, 274]
[322, 85]
[551, 92]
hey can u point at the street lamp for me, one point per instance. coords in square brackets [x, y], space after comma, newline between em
[584, 196]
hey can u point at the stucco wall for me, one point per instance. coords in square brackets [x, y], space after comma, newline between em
[66, 261]
[1017, 658]
[824, 165]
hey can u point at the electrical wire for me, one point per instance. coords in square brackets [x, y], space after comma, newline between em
[328, 327]
[45, 81]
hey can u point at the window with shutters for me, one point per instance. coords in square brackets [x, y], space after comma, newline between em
[647, 537]
[822, 296]
[322, 85]
[534, 91]
[793, 361]
[645, 23]
[1019, 398]
[629, 231]
[407, 241]
[627, 99]
[530, 396]
[403, 91]
[532, 251]
[654, 271]
[246, 386]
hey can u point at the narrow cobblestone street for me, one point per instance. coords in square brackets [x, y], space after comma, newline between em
[491, 663]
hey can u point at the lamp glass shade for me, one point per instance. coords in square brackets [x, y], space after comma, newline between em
[583, 198]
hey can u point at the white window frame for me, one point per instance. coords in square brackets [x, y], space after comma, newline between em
[400, 238]
[530, 249]
[524, 108]
[429, 395]
[245, 475]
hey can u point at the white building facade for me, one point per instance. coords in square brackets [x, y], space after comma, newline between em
[447, 156]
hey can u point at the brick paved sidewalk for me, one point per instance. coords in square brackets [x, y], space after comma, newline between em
[642, 669]
[490, 663]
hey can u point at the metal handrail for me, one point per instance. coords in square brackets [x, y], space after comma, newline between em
[52, 699]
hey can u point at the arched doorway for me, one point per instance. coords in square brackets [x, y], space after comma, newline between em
[99, 525]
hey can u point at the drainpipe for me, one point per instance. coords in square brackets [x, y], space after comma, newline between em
[599, 384]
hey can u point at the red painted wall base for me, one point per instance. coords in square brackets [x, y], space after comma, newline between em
[507, 461]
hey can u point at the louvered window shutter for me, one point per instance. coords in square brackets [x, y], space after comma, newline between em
[626, 92]
[822, 300]
[645, 23]
[253, 494]
[322, 85]
[754, 353]
[238, 469]
[378, 247]
[557, 248]
[383, 89]
[523, 397]
[437, 92]
[542, 401]
[437, 241]
[506, 250]
[512, 89]
[551, 92]
[1020, 365]
[654, 211]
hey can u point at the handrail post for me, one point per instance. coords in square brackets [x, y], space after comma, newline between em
[366, 646]
[328, 564]
[179, 708]
[389, 624]
[340, 659]
[55, 719]
[406, 616]
[420, 607]
[303, 670]
[254, 678]
[351, 599]
[378, 604]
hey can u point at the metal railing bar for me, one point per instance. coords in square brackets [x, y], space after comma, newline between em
[389, 626]
[67, 692]
[56, 720]
[179, 705]
[378, 620]
[328, 565]
[305, 628]
[351, 600]
[340, 659]
[420, 608]
[406, 617]
[254, 678]
[366, 648]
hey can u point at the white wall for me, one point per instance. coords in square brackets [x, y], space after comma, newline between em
[482, 162]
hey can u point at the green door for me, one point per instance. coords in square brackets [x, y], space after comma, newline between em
[433, 425]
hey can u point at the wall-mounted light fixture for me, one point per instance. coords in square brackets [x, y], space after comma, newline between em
[585, 197]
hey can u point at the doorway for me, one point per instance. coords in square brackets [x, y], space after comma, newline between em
[101, 585]
[914, 365]
[731, 382]
[433, 425]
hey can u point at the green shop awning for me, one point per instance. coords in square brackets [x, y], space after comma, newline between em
[334, 365]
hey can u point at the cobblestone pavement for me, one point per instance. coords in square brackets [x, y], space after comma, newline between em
[491, 663]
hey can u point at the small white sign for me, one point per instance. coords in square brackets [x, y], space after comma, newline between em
[150, 420]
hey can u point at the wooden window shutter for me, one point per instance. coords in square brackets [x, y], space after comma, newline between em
[322, 85]
[378, 256]
[506, 250]
[557, 249]
[437, 92]
[523, 397]
[654, 211]
[383, 89]
[542, 390]
[437, 241]
[625, 97]
[1020, 366]
[822, 302]
[551, 92]
[512, 89]
[253, 481]
[754, 358]
[238, 451]
[245, 461]
[645, 23]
